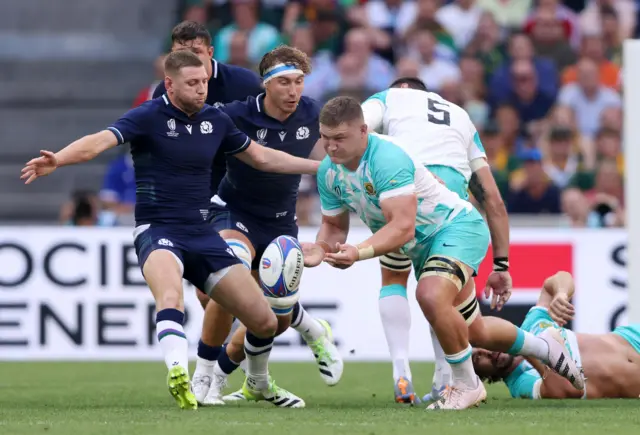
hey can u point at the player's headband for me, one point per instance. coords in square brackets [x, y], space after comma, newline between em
[280, 70]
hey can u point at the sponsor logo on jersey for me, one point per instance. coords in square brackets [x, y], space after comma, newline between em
[218, 104]
[206, 127]
[262, 135]
[189, 128]
[172, 128]
[368, 187]
[282, 135]
[302, 133]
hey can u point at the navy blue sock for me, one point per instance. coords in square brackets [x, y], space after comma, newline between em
[225, 363]
[210, 353]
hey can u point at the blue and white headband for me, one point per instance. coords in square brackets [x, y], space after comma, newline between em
[280, 70]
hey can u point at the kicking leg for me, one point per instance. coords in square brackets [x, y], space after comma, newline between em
[395, 315]
[162, 270]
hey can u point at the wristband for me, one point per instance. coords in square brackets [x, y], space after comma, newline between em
[501, 264]
[366, 253]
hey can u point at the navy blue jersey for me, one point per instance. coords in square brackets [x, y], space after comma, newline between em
[261, 194]
[228, 83]
[172, 155]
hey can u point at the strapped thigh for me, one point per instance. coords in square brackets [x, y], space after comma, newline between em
[395, 262]
[470, 308]
[445, 267]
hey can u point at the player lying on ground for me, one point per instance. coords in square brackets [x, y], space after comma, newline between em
[251, 208]
[408, 210]
[442, 137]
[174, 140]
[610, 362]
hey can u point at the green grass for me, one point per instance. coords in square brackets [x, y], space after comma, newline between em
[131, 398]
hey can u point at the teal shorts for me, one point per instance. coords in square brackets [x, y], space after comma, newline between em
[630, 333]
[453, 179]
[465, 238]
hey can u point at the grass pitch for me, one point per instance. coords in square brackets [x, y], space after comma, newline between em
[132, 398]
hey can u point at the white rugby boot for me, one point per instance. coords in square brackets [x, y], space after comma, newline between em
[560, 360]
[217, 386]
[460, 397]
[200, 385]
[330, 364]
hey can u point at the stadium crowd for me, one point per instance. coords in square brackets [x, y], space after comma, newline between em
[541, 81]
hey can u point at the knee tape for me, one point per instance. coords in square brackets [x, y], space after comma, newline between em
[393, 290]
[445, 267]
[469, 309]
[241, 250]
[396, 262]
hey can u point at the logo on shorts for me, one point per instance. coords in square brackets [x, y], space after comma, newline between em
[262, 135]
[266, 263]
[230, 252]
[337, 190]
[172, 128]
[218, 104]
[206, 127]
[302, 133]
[242, 227]
[165, 242]
[368, 187]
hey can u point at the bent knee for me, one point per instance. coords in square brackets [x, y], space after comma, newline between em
[264, 325]
[170, 298]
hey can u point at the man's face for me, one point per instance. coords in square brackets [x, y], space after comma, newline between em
[189, 88]
[199, 48]
[494, 366]
[342, 143]
[285, 91]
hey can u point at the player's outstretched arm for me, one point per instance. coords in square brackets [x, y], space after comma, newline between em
[270, 160]
[82, 150]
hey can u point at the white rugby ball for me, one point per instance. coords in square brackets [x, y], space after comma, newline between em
[281, 269]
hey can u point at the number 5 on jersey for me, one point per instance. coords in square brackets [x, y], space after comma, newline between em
[438, 113]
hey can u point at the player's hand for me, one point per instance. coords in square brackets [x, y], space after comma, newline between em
[313, 254]
[345, 256]
[39, 167]
[499, 284]
[561, 310]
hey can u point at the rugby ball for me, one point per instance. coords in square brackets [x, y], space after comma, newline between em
[280, 273]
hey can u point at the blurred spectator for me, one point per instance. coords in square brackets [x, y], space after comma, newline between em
[393, 16]
[532, 192]
[562, 160]
[118, 193]
[593, 48]
[521, 48]
[509, 127]
[322, 67]
[568, 19]
[433, 71]
[450, 90]
[611, 35]
[238, 50]
[607, 148]
[146, 93]
[530, 101]
[261, 36]
[588, 98]
[500, 159]
[359, 68]
[576, 208]
[591, 19]
[460, 18]
[508, 13]
[487, 45]
[81, 210]
[611, 117]
[606, 198]
[551, 39]
[425, 19]
[407, 67]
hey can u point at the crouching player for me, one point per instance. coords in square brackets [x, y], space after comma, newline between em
[408, 210]
[610, 362]
[252, 208]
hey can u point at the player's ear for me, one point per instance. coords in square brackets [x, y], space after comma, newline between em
[364, 129]
[168, 83]
[210, 51]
